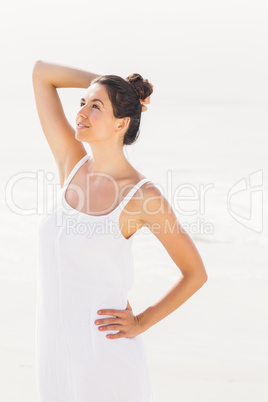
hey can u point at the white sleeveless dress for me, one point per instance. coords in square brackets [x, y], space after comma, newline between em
[85, 264]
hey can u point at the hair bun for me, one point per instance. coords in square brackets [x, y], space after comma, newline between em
[140, 86]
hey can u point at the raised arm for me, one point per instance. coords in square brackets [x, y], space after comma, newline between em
[60, 135]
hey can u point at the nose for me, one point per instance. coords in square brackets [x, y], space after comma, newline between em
[82, 111]
[82, 114]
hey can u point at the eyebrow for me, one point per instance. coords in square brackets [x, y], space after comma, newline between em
[93, 100]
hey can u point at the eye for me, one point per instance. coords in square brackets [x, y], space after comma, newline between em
[82, 104]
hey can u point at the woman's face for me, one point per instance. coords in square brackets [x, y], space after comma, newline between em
[96, 113]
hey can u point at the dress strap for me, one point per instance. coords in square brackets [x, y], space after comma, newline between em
[130, 194]
[75, 168]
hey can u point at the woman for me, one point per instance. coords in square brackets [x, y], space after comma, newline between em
[89, 344]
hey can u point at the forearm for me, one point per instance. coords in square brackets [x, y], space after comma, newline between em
[176, 296]
[62, 76]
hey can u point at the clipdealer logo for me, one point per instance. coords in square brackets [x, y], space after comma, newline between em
[245, 201]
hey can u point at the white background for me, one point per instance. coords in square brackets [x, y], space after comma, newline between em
[206, 124]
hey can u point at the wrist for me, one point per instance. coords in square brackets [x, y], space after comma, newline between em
[143, 320]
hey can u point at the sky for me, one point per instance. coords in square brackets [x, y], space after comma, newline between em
[191, 51]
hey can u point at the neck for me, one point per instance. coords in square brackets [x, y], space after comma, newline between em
[108, 159]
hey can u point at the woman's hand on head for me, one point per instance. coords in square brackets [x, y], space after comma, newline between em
[144, 102]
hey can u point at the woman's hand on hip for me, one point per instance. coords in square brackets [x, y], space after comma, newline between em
[124, 321]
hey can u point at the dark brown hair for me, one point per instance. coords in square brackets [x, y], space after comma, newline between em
[125, 96]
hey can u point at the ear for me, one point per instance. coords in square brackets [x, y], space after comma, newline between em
[122, 124]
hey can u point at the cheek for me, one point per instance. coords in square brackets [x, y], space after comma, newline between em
[97, 119]
[102, 121]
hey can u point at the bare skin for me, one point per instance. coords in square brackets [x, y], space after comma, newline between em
[108, 176]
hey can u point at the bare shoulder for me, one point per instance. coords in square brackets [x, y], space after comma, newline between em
[147, 189]
[156, 210]
[154, 201]
[159, 216]
[147, 197]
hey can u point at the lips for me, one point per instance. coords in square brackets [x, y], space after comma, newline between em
[81, 124]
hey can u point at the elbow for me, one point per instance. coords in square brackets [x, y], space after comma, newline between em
[199, 278]
[197, 274]
[203, 274]
[36, 66]
[204, 277]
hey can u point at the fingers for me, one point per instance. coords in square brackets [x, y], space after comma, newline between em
[123, 320]
[147, 100]
[107, 321]
[115, 336]
[109, 328]
[144, 108]
[117, 313]
[114, 327]
[144, 102]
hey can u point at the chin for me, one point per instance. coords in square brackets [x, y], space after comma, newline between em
[78, 135]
